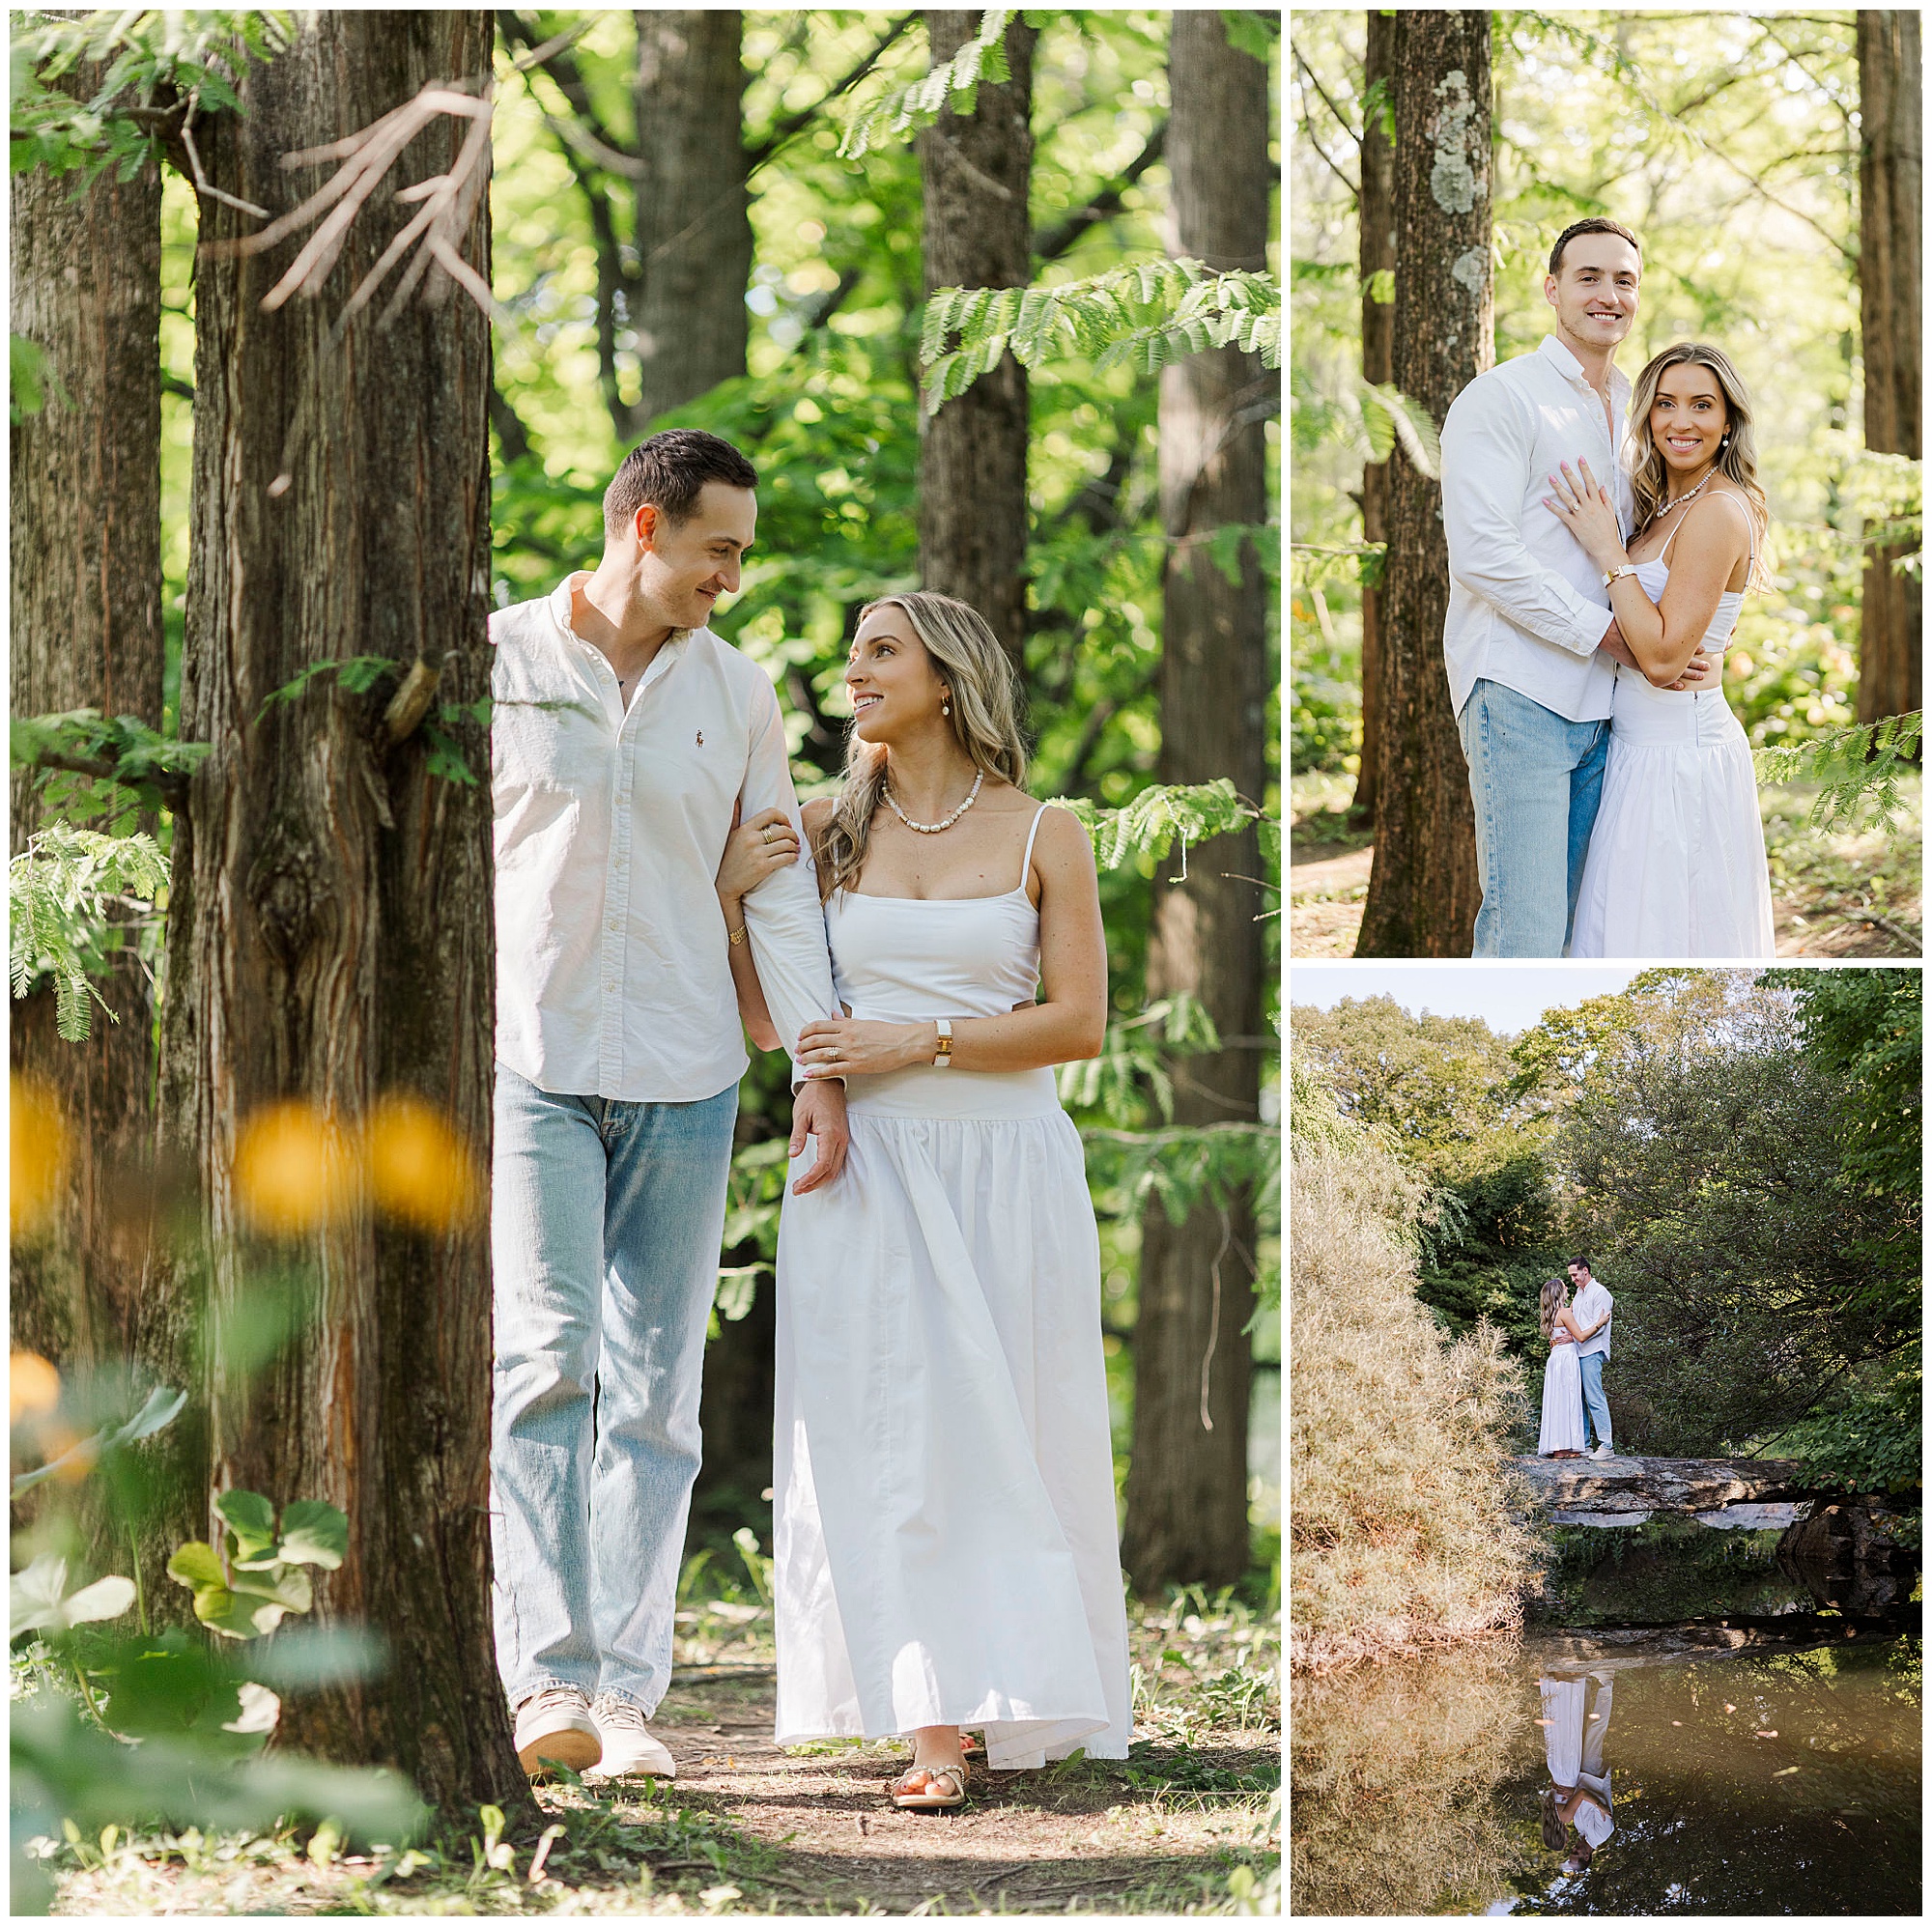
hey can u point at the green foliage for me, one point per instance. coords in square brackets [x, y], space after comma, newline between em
[1148, 825]
[1873, 1441]
[1857, 769]
[904, 110]
[30, 374]
[1143, 314]
[354, 675]
[161, 63]
[69, 893]
[115, 766]
[256, 1579]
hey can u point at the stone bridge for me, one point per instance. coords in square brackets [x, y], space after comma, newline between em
[1753, 1494]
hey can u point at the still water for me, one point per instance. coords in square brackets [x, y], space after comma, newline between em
[1768, 1766]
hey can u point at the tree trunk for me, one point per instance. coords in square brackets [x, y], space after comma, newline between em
[85, 526]
[974, 169]
[1890, 191]
[333, 939]
[1188, 1490]
[1376, 232]
[1423, 893]
[693, 230]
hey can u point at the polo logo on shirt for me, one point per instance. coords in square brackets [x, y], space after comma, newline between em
[701, 737]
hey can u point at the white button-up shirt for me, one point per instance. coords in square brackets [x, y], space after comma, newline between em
[1527, 605]
[1592, 1302]
[613, 974]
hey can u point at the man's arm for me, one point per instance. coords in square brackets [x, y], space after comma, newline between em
[1487, 449]
[786, 925]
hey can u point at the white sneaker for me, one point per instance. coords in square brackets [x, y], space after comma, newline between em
[554, 1727]
[628, 1748]
[1603, 1450]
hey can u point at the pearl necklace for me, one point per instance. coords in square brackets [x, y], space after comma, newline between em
[1683, 500]
[933, 829]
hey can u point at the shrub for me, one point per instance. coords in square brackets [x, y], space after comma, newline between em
[1400, 1526]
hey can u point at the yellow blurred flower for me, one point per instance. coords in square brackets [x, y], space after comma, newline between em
[38, 1154]
[419, 1168]
[292, 1169]
[32, 1386]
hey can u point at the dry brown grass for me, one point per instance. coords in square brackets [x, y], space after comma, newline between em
[1394, 1769]
[1400, 1534]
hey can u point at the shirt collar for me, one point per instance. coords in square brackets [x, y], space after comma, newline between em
[560, 607]
[1571, 369]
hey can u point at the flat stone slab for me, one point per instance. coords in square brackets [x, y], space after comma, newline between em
[1627, 1490]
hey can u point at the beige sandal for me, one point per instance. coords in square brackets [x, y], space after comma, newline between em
[923, 1799]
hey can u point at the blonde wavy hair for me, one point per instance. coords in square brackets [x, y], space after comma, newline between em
[1737, 457]
[984, 696]
[1554, 1298]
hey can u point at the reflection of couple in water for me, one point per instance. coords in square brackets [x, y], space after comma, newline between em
[1575, 1805]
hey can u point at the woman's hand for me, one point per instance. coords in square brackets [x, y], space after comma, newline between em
[754, 852]
[844, 1046]
[1584, 505]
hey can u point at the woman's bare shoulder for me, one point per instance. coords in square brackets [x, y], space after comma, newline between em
[817, 813]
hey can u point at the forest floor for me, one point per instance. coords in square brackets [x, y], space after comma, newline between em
[1834, 893]
[1187, 1824]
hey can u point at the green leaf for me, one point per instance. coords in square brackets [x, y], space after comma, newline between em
[314, 1533]
[253, 1519]
[1249, 33]
[196, 1566]
[1381, 285]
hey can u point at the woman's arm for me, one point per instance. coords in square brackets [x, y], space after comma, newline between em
[1661, 637]
[1069, 1022]
[1566, 1321]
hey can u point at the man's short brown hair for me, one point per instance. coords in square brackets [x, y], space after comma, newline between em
[1596, 224]
[669, 471]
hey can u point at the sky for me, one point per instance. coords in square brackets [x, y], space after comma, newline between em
[1508, 996]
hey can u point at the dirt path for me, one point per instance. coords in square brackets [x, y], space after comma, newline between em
[1189, 1822]
[1025, 1842]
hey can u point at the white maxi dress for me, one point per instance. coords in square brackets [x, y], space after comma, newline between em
[1562, 1428]
[945, 1533]
[1676, 862]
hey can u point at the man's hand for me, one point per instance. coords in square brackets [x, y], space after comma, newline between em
[818, 1110]
[1699, 670]
[1617, 649]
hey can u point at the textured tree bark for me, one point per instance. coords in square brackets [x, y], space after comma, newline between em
[1375, 226]
[1892, 166]
[332, 937]
[972, 453]
[85, 528]
[693, 227]
[1188, 1488]
[1422, 891]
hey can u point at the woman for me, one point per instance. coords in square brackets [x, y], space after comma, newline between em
[1577, 1796]
[1562, 1432]
[1676, 862]
[945, 1533]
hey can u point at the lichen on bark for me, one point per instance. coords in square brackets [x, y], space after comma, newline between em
[1452, 180]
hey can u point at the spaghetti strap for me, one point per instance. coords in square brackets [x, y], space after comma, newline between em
[1724, 495]
[1025, 862]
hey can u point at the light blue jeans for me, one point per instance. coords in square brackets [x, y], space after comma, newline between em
[604, 1226]
[1536, 780]
[1595, 1406]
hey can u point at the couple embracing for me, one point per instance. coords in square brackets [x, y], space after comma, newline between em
[1601, 541]
[1577, 1332]
[924, 946]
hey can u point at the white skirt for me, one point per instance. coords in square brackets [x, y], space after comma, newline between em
[946, 1543]
[1562, 1401]
[1676, 862]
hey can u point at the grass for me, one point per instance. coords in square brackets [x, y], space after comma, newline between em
[1847, 891]
[1399, 1436]
[1188, 1823]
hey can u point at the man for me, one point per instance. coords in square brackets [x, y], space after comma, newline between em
[1529, 643]
[624, 735]
[1591, 1308]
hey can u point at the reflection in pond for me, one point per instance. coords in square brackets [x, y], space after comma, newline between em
[1705, 1770]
